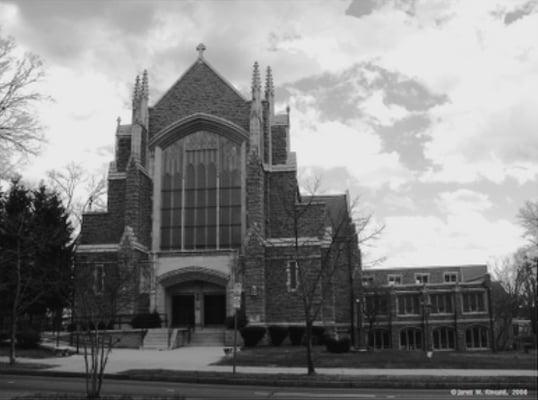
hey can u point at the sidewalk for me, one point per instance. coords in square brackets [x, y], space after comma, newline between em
[199, 359]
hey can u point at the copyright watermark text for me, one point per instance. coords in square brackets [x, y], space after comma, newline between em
[488, 392]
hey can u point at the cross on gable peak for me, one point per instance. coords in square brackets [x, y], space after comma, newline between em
[200, 48]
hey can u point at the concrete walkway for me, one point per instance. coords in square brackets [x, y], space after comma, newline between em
[200, 358]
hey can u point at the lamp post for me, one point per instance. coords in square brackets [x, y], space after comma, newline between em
[426, 306]
[358, 310]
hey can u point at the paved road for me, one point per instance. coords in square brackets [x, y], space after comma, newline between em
[15, 385]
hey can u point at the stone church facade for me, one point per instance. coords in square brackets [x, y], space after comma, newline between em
[202, 195]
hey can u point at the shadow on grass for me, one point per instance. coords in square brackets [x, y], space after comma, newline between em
[6, 366]
[37, 352]
[340, 381]
[76, 396]
[295, 356]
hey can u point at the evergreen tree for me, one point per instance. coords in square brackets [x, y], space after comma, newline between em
[35, 256]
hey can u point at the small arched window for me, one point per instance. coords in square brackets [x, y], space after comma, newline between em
[443, 338]
[411, 338]
[476, 337]
[379, 339]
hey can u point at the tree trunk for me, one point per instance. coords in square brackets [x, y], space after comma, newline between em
[309, 361]
[12, 358]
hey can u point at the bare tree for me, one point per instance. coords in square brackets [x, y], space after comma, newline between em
[80, 190]
[311, 223]
[376, 304]
[528, 218]
[20, 132]
[526, 261]
[506, 298]
[103, 290]
[367, 232]
[517, 277]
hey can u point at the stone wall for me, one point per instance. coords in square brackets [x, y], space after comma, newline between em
[279, 145]
[123, 152]
[282, 194]
[284, 304]
[138, 207]
[98, 228]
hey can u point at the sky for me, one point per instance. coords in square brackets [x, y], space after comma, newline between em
[426, 111]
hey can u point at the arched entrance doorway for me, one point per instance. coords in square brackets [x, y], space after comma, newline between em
[195, 297]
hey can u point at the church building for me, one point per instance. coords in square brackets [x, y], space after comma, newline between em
[203, 198]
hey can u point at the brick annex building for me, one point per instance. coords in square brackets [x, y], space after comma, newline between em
[439, 308]
[199, 198]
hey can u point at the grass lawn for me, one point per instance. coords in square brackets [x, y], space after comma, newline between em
[291, 356]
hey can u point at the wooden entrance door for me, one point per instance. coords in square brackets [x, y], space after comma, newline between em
[183, 310]
[214, 309]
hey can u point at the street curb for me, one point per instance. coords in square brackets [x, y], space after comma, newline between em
[371, 382]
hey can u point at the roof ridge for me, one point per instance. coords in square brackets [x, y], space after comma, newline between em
[207, 64]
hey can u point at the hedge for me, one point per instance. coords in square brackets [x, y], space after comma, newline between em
[242, 321]
[146, 320]
[252, 335]
[341, 345]
[296, 335]
[318, 335]
[277, 334]
[28, 338]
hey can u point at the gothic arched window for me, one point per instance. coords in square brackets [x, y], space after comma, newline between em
[203, 172]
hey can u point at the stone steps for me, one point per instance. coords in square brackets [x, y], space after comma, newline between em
[156, 339]
[207, 337]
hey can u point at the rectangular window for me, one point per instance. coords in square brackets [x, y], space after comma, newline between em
[292, 275]
[441, 303]
[394, 280]
[473, 302]
[367, 280]
[99, 279]
[422, 278]
[408, 304]
[450, 277]
[376, 304]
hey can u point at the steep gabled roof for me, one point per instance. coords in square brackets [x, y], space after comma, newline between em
[201, 89]
[337, 208]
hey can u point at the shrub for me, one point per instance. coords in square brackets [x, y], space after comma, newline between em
[296, 335]
[242, 321]
[146, 320]
[318, 335]
[277, 334]
[252, 335]
[28, 338]
[71, 327]
[341, 345]
[90, 325]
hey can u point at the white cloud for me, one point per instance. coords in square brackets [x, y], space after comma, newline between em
[330, 144]
[456, 239]
[463, 202]
[460, 49]
[462, 235]
[382, 113]
[488, 128]
[80, 120]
